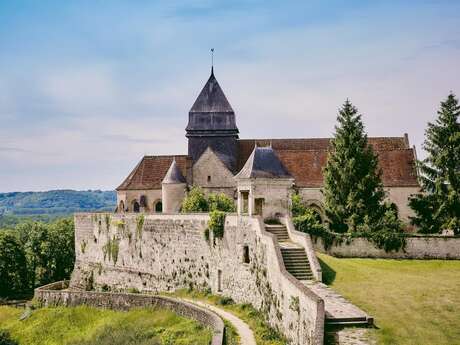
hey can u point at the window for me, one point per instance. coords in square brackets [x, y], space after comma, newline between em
[219, 281]
[136, 207]
[121, 207]
[245, 205]
[209, 178]
[259, 203]
[143, 201]
[246, 259]
[159, 207]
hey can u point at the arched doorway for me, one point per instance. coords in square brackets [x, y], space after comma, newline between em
[121, 206]
[158, 207]
[136, 206]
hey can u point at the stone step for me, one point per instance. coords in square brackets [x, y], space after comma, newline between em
[278, 232]
[294, 255]
[301, 273]
[275, 226]
[291, 260]
[297, 267]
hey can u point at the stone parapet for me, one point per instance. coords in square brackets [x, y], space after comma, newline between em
[417, 247]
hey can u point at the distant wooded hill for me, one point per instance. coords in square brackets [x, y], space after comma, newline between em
[54, 203]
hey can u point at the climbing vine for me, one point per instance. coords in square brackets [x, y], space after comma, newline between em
[217, 223]
[139, 225]
[111, 249]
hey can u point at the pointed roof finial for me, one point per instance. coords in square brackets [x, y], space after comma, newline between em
[212, 61]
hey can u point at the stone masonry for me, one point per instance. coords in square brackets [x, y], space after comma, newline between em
[154, 253]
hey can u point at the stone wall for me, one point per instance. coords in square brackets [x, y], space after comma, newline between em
[167, 252]
[417, 247]
[54, 295]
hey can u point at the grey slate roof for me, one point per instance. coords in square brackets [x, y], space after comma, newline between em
[211, 99]
[263, 163]
[174, 175]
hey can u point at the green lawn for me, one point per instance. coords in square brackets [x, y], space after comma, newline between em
[413, 301]
[88, 326]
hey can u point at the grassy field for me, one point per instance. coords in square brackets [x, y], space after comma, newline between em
[413, 302]
[91, 326]
[263, 334]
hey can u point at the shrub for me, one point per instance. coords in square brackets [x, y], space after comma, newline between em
[216, 223]
[224, 300]
[5, 338]
[298, 207]
[221, 202]
[195, 201]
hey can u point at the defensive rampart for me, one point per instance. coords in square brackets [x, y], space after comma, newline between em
[162, 252]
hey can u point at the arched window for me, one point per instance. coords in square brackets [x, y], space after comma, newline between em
[136, 207]
[143, 201]
[317, 210]
[121, 206]
[159, 207]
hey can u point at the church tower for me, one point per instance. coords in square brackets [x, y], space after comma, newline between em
[212, 124]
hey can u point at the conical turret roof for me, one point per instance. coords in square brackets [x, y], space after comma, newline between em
[174, 175]
[211, 98]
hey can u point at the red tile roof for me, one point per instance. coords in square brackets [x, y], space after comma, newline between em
[151, 170]
[305, 159]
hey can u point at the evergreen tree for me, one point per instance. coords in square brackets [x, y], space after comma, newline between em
[353, 188]
[439, 207]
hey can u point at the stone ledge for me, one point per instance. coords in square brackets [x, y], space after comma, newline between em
[54, 294]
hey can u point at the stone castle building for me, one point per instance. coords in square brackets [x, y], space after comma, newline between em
[259, 173]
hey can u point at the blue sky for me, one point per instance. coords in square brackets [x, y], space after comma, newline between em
[88, 87]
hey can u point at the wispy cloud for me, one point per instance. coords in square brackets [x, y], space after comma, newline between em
[83, 96]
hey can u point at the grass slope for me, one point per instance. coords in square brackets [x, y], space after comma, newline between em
[91, 326]
[263, 334]
[413, 301]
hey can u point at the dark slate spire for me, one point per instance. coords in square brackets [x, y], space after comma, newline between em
[211, 123]
[211, 98]
[174, 174]
[263, 163]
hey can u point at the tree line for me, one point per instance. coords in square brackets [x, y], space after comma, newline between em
[34, 254]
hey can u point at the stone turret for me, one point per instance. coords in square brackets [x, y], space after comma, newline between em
[173, 189]
[264, 185]
[212, 124]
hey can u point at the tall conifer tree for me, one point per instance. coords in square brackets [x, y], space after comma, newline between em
[353, 188]
[439, 207]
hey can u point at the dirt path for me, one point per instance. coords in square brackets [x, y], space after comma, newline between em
[244, 331]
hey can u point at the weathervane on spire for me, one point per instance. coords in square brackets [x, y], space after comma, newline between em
[212, 60]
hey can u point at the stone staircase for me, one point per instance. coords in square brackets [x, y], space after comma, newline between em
[294, 257]
[296, 263]
[279, 230]
[339, 311]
